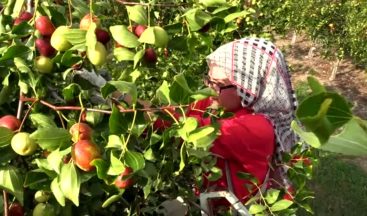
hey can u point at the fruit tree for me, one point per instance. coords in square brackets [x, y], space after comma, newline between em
[75, 135]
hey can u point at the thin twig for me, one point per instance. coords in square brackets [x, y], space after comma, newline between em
[5, 200]
[76, 108]
[26, 114]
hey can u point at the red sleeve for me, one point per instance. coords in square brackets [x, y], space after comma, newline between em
[196, 110]
[247, 143]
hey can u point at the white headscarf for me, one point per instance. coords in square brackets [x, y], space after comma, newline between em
[258, 69]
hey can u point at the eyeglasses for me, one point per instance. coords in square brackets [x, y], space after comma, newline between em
[216, 86]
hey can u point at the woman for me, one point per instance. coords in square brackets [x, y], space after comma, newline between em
[252, 81]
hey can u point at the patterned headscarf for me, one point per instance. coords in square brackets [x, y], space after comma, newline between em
[261, 75]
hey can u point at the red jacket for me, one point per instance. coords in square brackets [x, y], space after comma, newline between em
[247, 142]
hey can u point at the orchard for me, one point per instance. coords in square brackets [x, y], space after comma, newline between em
[75, 137]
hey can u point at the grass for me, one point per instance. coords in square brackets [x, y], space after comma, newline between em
[340, 188]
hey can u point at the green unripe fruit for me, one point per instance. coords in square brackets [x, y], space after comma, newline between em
[22, 144]
[97, 56]
[44, 209]
[58, 39]
[43, 64]
[42, 196]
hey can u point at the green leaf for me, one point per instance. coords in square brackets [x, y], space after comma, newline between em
[183, 156]
[110, 200]
[149, 155]
[309, 137]
[211, 3]
[190, 125]
[69, 181]
[138, 56]
[123, 87]
[215, 174]
[5, 136]
[94, 118]
[116, 166]
[22, 30]
[18, 6]
[180, 91]
[11, 180]
[123, 54]
[233, 16]
[7, 154]
[114, 141]
[71, 91]
[272, 195]
[197, 18]
[323, 113]
[44, 165]
[203, 137]
[91, 38]
[315, 85]
[116, 123]
[76, 36]
[135, 160]
[51, 138]
[56, 191]
[248, 176]
[70, 58]
[138, 14]
[123, 36]
[101, 167]
[41, 120]
[80, 6]
[154, 35]
[203, 93]
[55, 160]
[256, 208]
[352, 140]
[281, 205]
[22, 65]
[21, 51]
[36, 179]
[163, 92]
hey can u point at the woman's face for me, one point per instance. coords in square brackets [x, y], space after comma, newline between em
[227, 92]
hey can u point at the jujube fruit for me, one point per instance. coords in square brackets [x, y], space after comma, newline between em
[43, 64]
[97, 56]
[102, 36]
[58, 39]
[24, 17]
[10, 122]
[83, 153]
[16, 209]
[44, 209]
[124, 181]
[44, 26]
[44, 47]
[23, 144]
[150, 56]
[80, 131]
[87, 20]
[42, 196]
[139, 29]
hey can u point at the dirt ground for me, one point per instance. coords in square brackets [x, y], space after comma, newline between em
[350, 80]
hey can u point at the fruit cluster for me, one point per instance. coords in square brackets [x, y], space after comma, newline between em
[51, 39]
